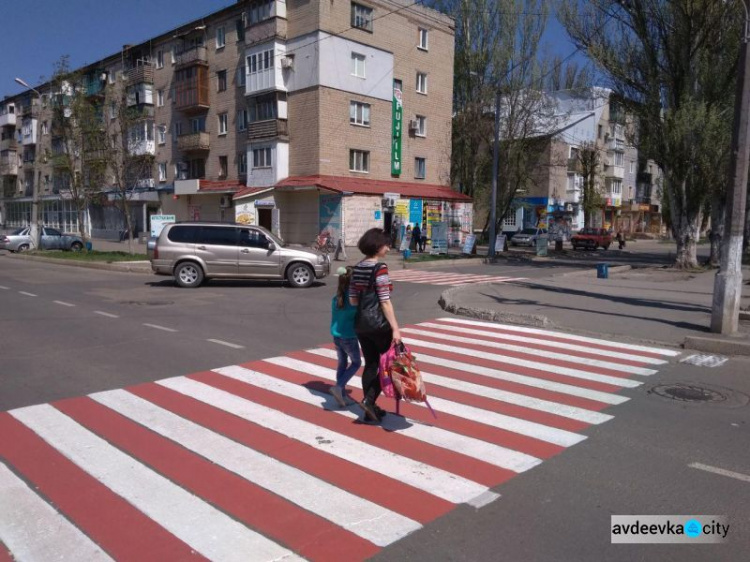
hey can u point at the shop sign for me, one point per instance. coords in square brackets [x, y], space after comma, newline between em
[398, 117]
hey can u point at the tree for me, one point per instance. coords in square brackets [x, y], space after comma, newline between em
[673, 63]
[589, 162]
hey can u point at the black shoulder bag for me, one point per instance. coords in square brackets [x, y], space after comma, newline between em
[369, 318]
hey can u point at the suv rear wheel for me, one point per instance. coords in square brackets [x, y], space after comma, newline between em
[188, 275]
[300, 275]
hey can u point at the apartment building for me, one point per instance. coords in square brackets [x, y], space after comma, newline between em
[297, 115]
[627, 183]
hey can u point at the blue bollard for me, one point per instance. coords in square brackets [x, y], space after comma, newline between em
[602, 271]
[89, 246]
[407, 254]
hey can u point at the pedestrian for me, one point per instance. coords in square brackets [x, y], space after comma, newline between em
[375, 323]
[416, 235]
[620, 240]
[344, 338]
[423, 238]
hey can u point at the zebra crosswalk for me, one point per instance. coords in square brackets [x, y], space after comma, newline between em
[446, 278]
[257, 462]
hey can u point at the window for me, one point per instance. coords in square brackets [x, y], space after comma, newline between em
[221, 39]
[44, 100]
[618, 159]
[197, 169]
[222, 167]
[198, 125]
[221, 81]
[242, 163]
[420, 168]
[177, 130]
[45, 128]
[421, 82]
[359, 161]
[159, 59]
[616, 187]
[423, 39]
[160, 98]
[421, 130]
[223, 123]
[240, 27]
[217, 235]
[361, 17]
[359, 113]
[173, 54]
[258, 62]
[162, 171]
[242, 120]
[113, 110]
[632, 167]
[259, 11]
[251, 238]
[262, 108]
[262, 158]
[242, 76]
[599, 133]
[183, 233]
[161, 134]
[358, 65]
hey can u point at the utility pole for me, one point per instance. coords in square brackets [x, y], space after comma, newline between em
[728, 283]
[495, 165]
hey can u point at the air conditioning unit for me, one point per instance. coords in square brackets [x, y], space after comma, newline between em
[287, 62]
[413, 125]
[225, 201]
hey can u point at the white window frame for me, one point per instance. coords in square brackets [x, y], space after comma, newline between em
[222, 75]
[619, 160]
[261, 61]
[159, 59]
[423, 36]
[359, 62]
[262, 158]
[242, 75]
[242, 120]
[162, 171]
[173, 54]
[177, 130]
[359, 161]
[421, 85]
[421, 126]
[362, 17]
[420, 165]
[223, 123]
[161, 134]
[221, 37]
[113, 110]
[45, 128]
[223, 173]
[359, 113]
[159, 98]
[242, 163]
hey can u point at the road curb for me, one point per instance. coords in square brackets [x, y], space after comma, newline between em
[720, 346]
[535, 320]
[593, 273]
[442, 263]
[126, 267]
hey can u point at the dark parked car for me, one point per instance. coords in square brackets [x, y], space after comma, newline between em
[50, 239]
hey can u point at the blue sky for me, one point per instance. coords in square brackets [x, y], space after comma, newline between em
[38, 33]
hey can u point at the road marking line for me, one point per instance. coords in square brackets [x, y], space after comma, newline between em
[27, 294]
[437, 482]
[26, 521]
[4, 288]
[227, 344]
[107, 314]
[63, 303]
[362, 517]
[209, 531]
[162, 328]
[721, 471]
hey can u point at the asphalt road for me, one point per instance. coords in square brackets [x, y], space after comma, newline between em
[69, 331]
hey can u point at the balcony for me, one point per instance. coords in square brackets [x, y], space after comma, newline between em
[194, 142]
[193, 56]
[29, 132]
[191, 93]
[274, 128]
[266, 30]
[612, 171]
[9, 165]
[143, 74]
[8, 119]
[30, 110]
[574, 166]
[142, 148]
[9, 143]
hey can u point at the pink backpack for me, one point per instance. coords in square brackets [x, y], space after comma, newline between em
[400, 377]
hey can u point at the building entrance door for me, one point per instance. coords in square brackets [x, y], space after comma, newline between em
[265, 219]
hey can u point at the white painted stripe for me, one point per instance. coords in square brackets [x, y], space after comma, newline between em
[536, 352]
[227, 344]
[572, 412]
[547, 367]
[360, 516]
[598, 395]
[515, 425]
[32, 530]
[195, 522]
[548, 343]
[107, 314]
[721, 471]
[4, 288]
[157, 327]
[63, 303]
[419, 475]
[522, 329]
[27, 294]
[481, 450]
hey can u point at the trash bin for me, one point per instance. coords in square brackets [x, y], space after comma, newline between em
[602, 270]
[89, 246]
[407, 254]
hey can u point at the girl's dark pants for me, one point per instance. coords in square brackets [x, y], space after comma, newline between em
[373, 346]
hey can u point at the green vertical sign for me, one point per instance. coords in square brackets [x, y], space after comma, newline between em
[398, 116]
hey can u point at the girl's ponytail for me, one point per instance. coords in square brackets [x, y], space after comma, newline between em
[345, 278]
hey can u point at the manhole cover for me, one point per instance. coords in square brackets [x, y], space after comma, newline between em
[688, 393]
[147, 303]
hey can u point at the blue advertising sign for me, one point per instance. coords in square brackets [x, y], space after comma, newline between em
[415, 212]
[330, 215]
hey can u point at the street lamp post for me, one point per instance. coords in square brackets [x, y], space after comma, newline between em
[495, 165]
[728, 283]
[34, 226]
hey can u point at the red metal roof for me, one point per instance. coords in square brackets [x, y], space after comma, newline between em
[245, 191]
[374, 187]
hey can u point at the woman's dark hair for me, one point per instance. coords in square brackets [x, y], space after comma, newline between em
[372, 241]
[343, 289]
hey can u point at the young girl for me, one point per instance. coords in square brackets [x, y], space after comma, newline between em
[342, 330]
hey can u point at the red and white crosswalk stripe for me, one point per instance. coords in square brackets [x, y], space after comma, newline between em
[444, 278]
[256, 461]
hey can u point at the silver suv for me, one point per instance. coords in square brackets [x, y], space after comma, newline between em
[194, 251]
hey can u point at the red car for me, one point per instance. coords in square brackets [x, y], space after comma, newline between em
[591, 238]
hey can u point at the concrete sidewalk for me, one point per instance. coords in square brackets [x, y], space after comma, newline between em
[653, 304]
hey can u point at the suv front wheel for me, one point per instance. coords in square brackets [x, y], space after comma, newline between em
[300, 275]
[188, 275]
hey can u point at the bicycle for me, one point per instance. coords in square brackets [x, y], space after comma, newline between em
[324, 243]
